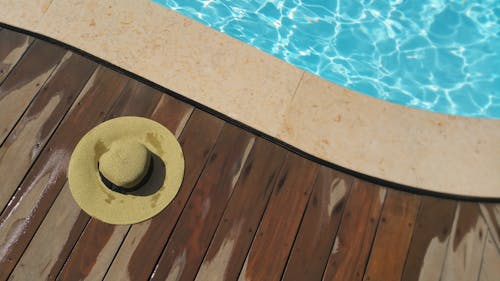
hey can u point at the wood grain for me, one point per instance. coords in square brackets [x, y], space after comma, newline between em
[12, 47]
[490, 266]
[356, 233]
[393, 237]
[274, 239]
[130, 103]
[430, 240]
[145, 241]
[235, 232]
[247, 208]
[320, 224]
[191, 237]
[37, 192]
[41, 119]
[24, 82]
[465, 249]
[491, 215]
[49, 249]
[100, 241]
[93, 251]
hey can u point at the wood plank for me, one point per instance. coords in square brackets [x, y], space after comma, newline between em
[99, 242]
[144, 243]
[272, 244]
[93, 251]
[491, 215]
[430, 240]
[82, 263]
[198, 221]
[235, 232]
[319, 227]
[66, 237]
[467, 240]
[42, 117]
[12, 47]
[24, 82]
[44, 181]
[490, 266]
[135, 101]
[356, 232]
[393, 236]
[49, 249]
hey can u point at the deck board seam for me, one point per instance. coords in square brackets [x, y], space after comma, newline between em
[420, 209]
[372, 243]
[490, 228]
[72, 248]
[486, 235]
[187, 199]
[49, 77]
[130, 226]
[63, 117]
[45, 146]
[109, 114]
[30, 45]
[275, 181]
[341, 214]
[283, 270]
[252, 139]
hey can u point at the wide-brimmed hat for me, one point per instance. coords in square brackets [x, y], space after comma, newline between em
[126, 170]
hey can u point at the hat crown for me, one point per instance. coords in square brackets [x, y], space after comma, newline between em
[125, 163]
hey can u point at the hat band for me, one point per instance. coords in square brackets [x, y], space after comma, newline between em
[126, 190]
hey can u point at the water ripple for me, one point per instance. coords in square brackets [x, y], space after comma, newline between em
[437, 55]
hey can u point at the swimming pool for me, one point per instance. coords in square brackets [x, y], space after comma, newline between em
[437, 55]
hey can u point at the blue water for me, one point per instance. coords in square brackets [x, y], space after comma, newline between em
[437, 55]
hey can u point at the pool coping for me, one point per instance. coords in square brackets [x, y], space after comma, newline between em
[410, 147]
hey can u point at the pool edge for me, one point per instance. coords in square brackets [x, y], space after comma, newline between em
[357, 141]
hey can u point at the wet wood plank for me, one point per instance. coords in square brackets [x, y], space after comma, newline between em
[93, 252]
[49, 249]
[491, 215]
[356, 233]
[44, 181]
[234, 235]
[275, 236]
[490, 266]
[99, 242]
[139, 100]
[145, 241]
[24, 82]
[465, 249]
[134, 101]
[393, 237]
[12, 47]
[430, 240]
[41, 119]
[320, 224]
[191, 237]
[40, 238]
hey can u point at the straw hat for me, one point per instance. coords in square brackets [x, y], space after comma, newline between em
[126, 170]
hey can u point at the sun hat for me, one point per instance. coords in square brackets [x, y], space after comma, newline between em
[126, 170]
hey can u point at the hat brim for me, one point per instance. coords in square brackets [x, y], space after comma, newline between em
[109, 206]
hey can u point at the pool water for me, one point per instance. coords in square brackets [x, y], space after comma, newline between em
[437, 55]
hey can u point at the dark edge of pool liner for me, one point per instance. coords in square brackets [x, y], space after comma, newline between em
[372, 179]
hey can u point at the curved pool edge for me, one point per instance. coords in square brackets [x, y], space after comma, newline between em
[434, 152]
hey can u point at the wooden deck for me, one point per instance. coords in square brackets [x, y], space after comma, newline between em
[247, 210]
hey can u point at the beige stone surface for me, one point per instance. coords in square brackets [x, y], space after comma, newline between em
[23, 13]
[431, 151]
[439, 152]
[176, 52]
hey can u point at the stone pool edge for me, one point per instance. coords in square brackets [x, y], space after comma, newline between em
[434, 152]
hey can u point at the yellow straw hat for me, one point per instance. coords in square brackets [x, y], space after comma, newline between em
[126, 170]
